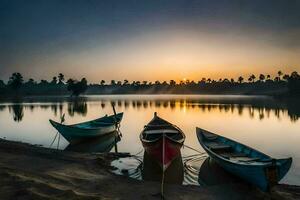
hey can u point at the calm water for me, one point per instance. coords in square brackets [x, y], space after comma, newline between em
[266, 124]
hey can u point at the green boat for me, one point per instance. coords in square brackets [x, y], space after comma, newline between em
[85, 130]
[245, 162]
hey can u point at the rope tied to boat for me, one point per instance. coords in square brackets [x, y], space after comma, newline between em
[62, 120]
[193, 149]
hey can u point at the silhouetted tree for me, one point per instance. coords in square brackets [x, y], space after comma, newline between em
[15, 81]
[209, 80]
[145, 82]
[294, 84]
[286, 77]
[240, 79]
[54, 80]
[61, 78]
[279, 74]
[125, 82]
[232, 80]
[2, 84]
[44, 82]
[113, 82]
[172, 82]
[31, 81]
[102, 82]
[253, 77]
[268, 77]
[77, 87]
[262, 77]
[225, 80]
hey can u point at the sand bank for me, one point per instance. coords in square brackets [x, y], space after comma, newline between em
[32, 172]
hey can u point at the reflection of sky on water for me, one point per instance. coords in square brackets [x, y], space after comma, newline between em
[269, 125]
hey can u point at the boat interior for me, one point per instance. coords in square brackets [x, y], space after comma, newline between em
[101, 122]
[157, 127]
[233, 151]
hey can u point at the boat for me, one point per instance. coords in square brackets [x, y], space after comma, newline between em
[100, 144]
[77, 132]
[245, 162]
[151, 171]
[162, 141]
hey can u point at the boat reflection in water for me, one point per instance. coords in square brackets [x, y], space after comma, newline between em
[151, 170]
[99, 144]
[211, 173]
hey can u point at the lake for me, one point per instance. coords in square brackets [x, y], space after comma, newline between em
[269, 125]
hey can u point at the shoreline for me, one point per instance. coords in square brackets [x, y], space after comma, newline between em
[33, 172]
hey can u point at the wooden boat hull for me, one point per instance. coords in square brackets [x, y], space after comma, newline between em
[155, 149]
[98, 144]
[152, 170]
[162, 141]
[77, 132]
[262, 174]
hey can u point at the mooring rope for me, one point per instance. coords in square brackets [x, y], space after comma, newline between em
[53, 140]
[193, 149]
[163, 164]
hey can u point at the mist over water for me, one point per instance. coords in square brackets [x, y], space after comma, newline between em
[264, 123]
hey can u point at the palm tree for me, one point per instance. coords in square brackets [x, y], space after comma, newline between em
[102, 82]
[43, 82]
[61, 78]
[240, 79]
[145, 82]
[209, 80]
[15, 81]
[253, 77]
[262, 77]
[268, 77]
[125, 82]
[250, 79]
[2, 84]
[286, 77]
[225, 80]
[31, 81]
[279, 74]
[157, 83]
[172, 82]
[232, 80]
[113, 82]
[54, 80]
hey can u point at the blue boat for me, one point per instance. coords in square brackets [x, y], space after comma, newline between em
[245, 162]
[85, 130]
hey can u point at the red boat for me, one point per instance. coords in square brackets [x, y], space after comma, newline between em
[162, 141]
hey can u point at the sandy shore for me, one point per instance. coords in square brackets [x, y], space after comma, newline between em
[32, 172]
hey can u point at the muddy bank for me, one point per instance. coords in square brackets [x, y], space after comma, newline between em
[32, 172]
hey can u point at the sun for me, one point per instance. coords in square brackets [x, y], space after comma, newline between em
[184, 79]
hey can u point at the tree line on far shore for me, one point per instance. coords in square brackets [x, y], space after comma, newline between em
[287, 84]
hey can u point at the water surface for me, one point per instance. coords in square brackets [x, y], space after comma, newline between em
[269, 125]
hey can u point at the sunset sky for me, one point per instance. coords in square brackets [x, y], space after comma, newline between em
[148, 40]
